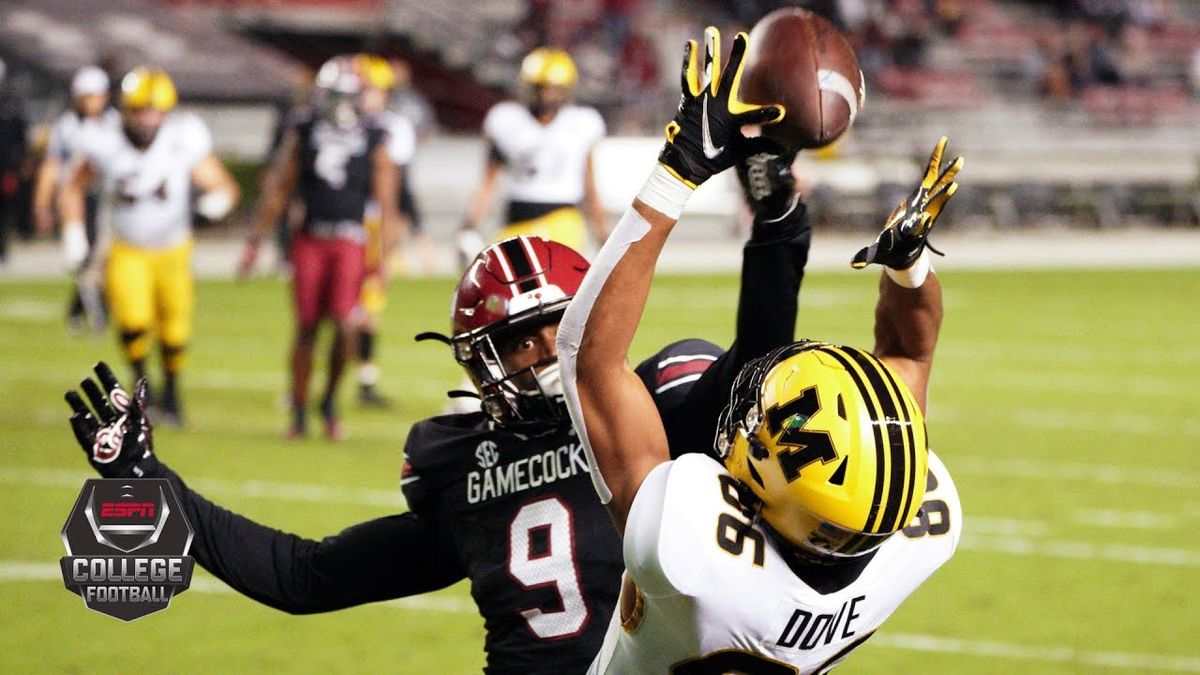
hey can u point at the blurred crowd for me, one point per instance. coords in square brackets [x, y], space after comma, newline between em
[628, 49]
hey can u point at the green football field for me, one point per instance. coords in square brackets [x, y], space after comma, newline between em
[1065, 404]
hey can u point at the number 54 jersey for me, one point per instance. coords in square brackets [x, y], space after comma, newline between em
[541, 552]
[715, 595]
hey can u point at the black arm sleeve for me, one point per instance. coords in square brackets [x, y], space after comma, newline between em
[390, 557]
[773, 263]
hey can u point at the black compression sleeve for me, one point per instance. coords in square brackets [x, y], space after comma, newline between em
[773, 263]
[390, 557]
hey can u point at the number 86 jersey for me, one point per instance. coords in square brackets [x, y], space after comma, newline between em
[714, 594]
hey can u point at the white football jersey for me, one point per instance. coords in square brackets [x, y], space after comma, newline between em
[70, 127]
[717, 596]
[402, 138]
[146, 194]
[546, 162]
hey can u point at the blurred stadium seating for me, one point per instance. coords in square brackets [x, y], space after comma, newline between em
[1069, 113]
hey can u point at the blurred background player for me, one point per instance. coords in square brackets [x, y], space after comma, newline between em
[379, 79]
[13, 146]
[337, 157]
[546, 144]
[89, 105]
[410, 104]
[146, 169]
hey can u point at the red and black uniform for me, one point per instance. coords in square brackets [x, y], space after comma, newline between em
[328, 261]
[542, 555]
[515, 513]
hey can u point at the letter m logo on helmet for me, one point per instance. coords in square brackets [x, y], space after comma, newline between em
[833, 444]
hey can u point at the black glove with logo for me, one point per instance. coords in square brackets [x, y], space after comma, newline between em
[906, 232]
[117, 437]
[705, 137]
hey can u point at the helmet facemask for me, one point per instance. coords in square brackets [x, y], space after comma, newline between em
[529, 398]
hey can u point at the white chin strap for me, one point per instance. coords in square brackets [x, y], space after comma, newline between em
[550, 381]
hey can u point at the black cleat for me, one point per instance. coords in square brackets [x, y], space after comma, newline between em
[370, 397]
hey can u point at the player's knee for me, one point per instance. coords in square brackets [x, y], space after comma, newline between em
[306, 332]
[173, 356]
[136, 343]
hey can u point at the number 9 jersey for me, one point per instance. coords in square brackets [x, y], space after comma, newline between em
[714, 593]
[542, 555]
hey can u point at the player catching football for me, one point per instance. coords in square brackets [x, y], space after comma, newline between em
[502, 497]
[827, 509]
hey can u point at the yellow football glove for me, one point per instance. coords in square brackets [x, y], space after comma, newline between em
[906, 232]
[705, 137]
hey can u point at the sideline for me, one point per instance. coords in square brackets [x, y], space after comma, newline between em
[216, 258]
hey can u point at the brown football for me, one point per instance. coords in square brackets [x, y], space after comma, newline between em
[800, 60]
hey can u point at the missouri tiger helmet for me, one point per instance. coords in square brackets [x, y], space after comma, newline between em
[376, 70]
[147, 95]
[148, 87]
[831, 443]
[546, 67]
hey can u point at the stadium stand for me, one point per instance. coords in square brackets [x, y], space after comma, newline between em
[1070, 111]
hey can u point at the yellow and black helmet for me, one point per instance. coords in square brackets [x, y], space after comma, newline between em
[546, 67]
[376, 71]
[148, 87]
[832, 444]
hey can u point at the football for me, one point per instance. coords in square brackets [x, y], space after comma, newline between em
[800, 60]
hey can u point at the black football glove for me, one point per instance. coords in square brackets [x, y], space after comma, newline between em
[705, 137]
[768, 184]
[117, 437]
[906, 232]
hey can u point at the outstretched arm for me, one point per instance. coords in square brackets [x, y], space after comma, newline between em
[908, 315]
[380, 559]
[773, 263]
[611, 409]
[390, 557]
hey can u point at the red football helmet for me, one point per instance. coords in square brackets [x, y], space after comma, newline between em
[511, 287]
[337, 91]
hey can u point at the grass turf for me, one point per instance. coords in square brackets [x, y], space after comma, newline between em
[1064, 403]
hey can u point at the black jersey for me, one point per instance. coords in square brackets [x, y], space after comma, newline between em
[540, 550]
[335, 171]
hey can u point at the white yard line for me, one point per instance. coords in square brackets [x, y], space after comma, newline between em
[1043, 654]
[1079, 550]
[25, 571]
[1105, 474]
[298, 492]
[12, 570]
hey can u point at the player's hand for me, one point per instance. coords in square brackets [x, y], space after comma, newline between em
[248, 260]
[705, 137]
[768, 184]
[906, 232]
[468, 242]
[74, 245]
[114, 433]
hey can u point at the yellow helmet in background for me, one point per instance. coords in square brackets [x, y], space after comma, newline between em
[546, 67]
[376, 70]
[832, 444]
[148, 87]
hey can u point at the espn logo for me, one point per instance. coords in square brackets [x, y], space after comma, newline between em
[126, 509]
